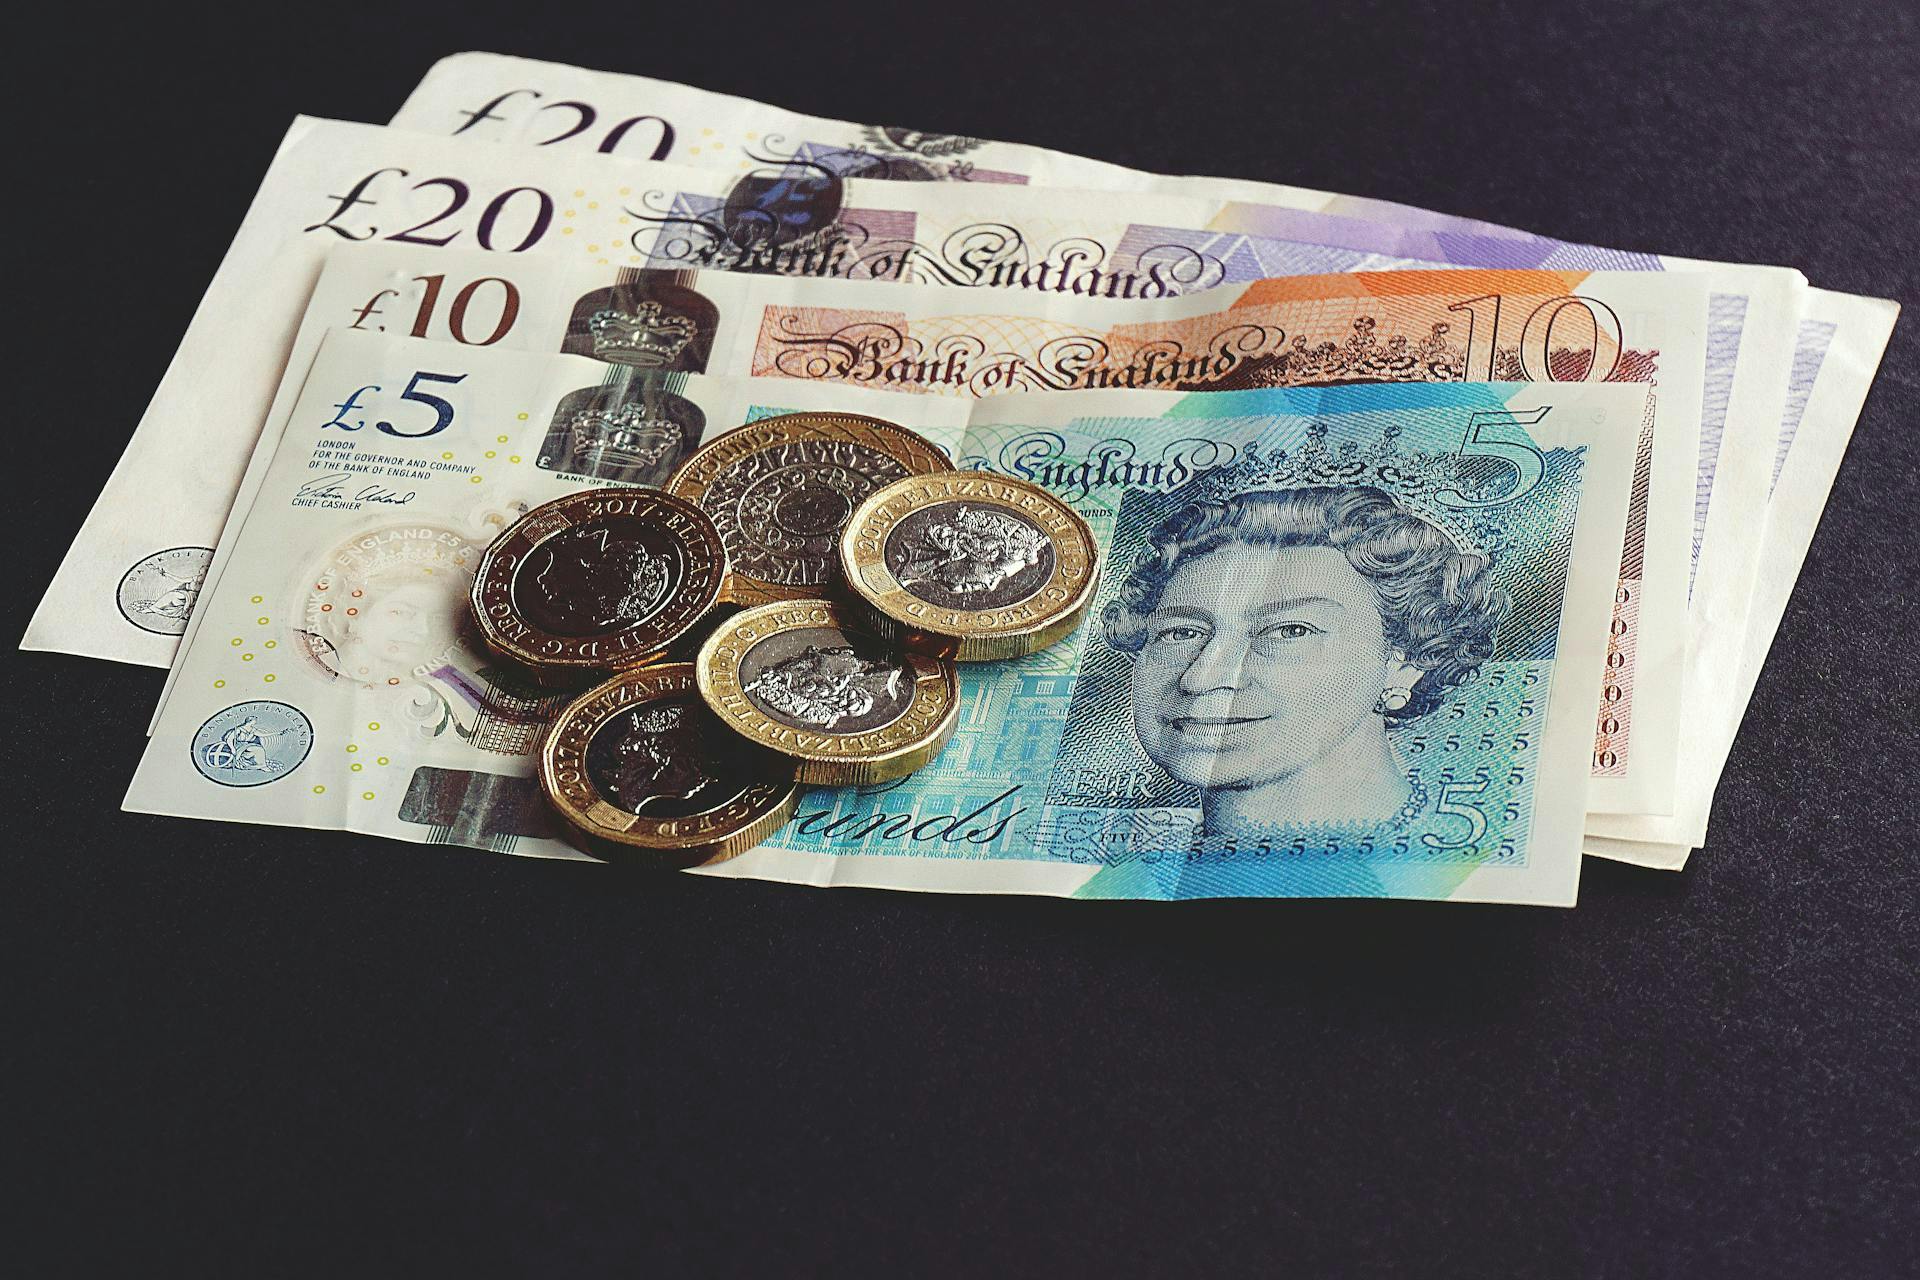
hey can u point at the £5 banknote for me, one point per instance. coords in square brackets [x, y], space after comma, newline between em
[1215, 731]
[1358, 327]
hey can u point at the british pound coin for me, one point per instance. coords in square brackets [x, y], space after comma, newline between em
[599, 580]
[969, 565]
[781, 490]
[801, 679]
[643, 774]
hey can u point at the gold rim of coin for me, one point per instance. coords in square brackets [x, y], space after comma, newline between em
[970, 565]
[537, 599]
[671, 746]
[781, 490]
[803, 678]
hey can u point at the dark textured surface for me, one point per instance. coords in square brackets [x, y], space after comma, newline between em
[269, 1050]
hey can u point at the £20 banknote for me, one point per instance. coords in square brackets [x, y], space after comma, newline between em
[490, 97]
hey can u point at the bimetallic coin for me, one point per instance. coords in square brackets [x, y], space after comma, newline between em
[782, 489]
[599, 580]
[801, 679]
[969, 565]
[643, 774]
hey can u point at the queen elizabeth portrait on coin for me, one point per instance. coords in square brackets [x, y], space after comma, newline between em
[963, 557]
[665, 759]
[1277, 635]
[826, 685]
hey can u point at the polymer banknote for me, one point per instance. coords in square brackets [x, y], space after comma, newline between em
[1279, 561]
[335, 184]
[1359, 327]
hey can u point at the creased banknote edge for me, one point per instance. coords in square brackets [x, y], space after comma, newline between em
[1800, 497]
[1648, 784]
[1729, 553]
[1654, 857]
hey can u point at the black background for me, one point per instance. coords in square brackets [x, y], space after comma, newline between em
[300, 1051]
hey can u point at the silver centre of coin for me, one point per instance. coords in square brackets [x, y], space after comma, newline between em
[814, 678]
[961, 555]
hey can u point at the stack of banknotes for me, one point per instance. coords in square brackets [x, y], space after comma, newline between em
[1437, 553]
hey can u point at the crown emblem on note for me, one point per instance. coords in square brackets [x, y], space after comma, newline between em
[918, 142]
[651, 337]
[624, 437]
[1441, 487]
[1365, 356]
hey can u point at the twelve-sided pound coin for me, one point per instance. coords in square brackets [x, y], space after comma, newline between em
[969, 565]
[600, 580]
[644, 774]
[781, 490]
[799, 678]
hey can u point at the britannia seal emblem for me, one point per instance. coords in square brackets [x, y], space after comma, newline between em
[252, 743]
[158, 592]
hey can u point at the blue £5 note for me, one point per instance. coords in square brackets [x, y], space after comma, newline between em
[1346, 644]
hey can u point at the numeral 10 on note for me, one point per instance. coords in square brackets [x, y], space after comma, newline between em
[478, 313]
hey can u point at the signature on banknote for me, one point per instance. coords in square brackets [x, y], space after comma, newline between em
[334, 487]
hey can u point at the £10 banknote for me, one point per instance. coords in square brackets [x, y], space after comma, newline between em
[1219, 729]
[1298, 331]
[335, 184]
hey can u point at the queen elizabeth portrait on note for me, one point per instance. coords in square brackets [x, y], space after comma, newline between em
[1277, 635]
